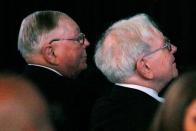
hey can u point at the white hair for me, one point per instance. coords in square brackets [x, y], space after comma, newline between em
[121, 45]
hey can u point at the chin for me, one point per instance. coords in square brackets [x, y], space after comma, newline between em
[175, 73]
[83, 66]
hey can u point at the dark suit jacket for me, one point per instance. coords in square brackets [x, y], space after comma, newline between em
[59, 93]
[124, 109]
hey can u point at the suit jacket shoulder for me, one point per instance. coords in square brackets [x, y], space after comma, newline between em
[59, 94]
[124, 109]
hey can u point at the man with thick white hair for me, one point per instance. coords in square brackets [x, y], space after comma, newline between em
[135, 56]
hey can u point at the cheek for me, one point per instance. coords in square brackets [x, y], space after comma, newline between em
[68, 57]
[162, 67]
[159, 62]
[76, 55]
[190, 118]
[165, 60]
[69, 53]
[166, 63]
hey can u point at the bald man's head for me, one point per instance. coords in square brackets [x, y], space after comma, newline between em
[22, 108]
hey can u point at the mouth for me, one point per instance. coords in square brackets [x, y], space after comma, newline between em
[84, 58]
[85, 55]
[173, 61]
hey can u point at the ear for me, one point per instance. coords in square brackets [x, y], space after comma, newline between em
[49, 55]
[144, 69]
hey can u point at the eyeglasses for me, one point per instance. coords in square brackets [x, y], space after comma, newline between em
[167, 45]
[80, 39]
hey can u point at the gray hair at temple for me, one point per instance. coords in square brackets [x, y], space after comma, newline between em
[122, 44]
[34, 28]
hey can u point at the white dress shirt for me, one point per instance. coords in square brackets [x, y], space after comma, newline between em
[146, 90]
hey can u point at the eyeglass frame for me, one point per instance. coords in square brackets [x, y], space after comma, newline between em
[167, 45]
[80, 37]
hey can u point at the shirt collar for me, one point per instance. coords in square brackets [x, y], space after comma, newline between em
[47, 68]
[146, 90]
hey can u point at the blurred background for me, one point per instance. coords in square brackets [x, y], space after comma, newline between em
[176, 19]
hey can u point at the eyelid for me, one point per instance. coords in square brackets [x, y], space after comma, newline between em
[81, 37]
[168, 46]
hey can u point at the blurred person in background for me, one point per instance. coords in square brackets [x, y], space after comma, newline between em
[178, 112]
[22, 107]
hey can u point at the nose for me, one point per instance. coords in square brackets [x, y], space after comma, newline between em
[86, 43]
[174, 49]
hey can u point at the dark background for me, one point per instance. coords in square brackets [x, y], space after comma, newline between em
[176, 18]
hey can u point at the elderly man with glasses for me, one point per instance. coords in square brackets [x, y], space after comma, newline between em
[55, 50]
[135, 56]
